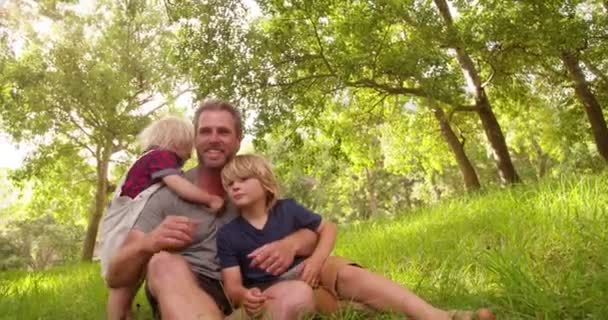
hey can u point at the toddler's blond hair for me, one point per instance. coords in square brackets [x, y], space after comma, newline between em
[169, 133]
[252, 166]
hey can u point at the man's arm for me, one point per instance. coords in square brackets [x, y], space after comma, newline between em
[277, 256]
[303, 242]
[311, 267]
[327, 239]
[128, 265]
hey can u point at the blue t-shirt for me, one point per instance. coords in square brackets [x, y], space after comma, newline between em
[239, 238]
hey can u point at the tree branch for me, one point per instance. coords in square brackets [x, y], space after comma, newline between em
[303, 79]
[166, 102]
[79, 143]
[320, 44]
[369, 83]
[462, 108]
[596, 71]
[78, 125]
[490, 78]
[141, 102]
[296, 59]
[133, 102]
[373, 106]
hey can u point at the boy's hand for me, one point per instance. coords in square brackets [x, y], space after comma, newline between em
[253, 301]
[310, 269]
[216, 204]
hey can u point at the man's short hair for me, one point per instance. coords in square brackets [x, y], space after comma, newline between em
[219, 105]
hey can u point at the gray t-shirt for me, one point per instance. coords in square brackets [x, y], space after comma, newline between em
[202, 252]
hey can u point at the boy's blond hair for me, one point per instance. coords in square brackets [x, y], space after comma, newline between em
[252, 166]
[169, 133]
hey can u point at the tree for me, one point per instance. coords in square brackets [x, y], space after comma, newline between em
[89, 85]
[273, 72]
[564, 41]
[329, 48]
[395, 49]
[482, 103]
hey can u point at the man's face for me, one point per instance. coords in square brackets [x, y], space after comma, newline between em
[216, 139]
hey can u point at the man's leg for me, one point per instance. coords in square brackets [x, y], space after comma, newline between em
[289, 300]
[176, 289]
[380, 293]
[348, 281]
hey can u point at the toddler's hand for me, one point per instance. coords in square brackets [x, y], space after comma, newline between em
[216, 204]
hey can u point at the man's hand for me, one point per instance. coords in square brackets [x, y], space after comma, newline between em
[253, 301]
[310, 269]
[175, 232]
[274, 257]
[216, 204]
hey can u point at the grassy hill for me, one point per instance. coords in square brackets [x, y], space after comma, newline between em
[527, 252]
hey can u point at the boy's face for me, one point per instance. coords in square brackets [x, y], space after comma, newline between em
[246, 192]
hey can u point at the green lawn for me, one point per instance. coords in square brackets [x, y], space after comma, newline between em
[528, 252]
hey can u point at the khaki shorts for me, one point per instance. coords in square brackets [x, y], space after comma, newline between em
[326, 295]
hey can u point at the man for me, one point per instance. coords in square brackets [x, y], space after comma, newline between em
[173, 241]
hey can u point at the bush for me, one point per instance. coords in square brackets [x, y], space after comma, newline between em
[38, 243]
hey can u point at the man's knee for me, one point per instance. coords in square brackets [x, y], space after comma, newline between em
[348, 274]
[165, 266]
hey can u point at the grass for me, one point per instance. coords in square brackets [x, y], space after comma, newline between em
[69, 292]
[527, 252]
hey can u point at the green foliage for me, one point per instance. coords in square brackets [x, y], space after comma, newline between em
[210, 47]
[38, 243]
[80, 92]
[54, 170]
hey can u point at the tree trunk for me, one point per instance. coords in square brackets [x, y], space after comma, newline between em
[598, 73]
[590, 103]
[493, 132]
[371, 190]
[101, 197]
[407, 191]
[471, 181]
[492, 129]
[543, 159]
[436, 191]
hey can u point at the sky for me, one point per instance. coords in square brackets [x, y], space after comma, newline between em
[11, 155]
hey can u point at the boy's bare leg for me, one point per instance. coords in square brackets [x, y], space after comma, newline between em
[380, 293]
[175, 287]
[289, 300]
[119, 303]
